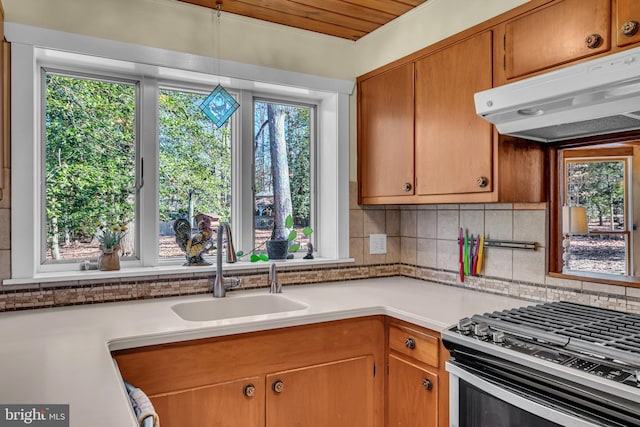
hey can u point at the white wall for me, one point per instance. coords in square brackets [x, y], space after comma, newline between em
[425, 25]
[173, 25]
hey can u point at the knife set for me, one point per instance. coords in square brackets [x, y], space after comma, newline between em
[471, 250]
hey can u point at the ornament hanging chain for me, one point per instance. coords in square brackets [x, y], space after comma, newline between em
[218, 13]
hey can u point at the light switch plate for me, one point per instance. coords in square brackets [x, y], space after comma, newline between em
[377, 244]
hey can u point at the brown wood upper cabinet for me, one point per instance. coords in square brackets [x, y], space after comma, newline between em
[385, 116]
[453, 145]
[628, 22]
[420, 140]
[562, 32]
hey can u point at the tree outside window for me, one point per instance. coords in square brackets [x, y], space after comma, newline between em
[600, 185]
[282, 171]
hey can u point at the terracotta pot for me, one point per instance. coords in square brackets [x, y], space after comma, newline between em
[277, 249]
[109, 259]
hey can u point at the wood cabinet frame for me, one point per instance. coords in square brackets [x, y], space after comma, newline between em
[204, 365]
[556, 173]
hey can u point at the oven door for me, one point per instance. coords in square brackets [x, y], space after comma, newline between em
[481, 397]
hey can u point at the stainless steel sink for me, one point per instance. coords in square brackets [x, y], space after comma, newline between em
[236, 306]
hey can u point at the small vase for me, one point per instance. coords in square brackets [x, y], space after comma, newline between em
[109, 259]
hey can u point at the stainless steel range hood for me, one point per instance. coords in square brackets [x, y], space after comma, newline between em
[598, 97]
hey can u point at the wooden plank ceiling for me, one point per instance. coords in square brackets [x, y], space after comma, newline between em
[349, 19]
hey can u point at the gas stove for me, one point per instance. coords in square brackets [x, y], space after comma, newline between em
[592, 346]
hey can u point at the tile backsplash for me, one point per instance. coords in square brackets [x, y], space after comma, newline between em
[429, 250]
[421, 243]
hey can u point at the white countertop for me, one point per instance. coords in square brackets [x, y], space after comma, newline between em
[61, 355]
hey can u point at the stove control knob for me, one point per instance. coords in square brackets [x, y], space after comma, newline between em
[497, 337]
[465, 325]
[481, 329]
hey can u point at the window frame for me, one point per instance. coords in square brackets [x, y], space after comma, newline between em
[34, 48]
[312, 161]
[236, 152]
[604, 147]
[44, 71]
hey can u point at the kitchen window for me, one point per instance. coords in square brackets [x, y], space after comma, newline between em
[89, 166]
[294, 142]
[194, 165]
[160, 156]
[597, 215]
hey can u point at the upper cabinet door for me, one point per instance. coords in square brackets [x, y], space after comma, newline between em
[385, 143]
[453, 145]
[628, 22]
[554, 35]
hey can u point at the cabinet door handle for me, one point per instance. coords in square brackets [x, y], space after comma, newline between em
[630, 28]
[277, 386]
[249, 390]
[406, 186]
[410, 343]
[594, 41]
[482, 181]
[427, 384]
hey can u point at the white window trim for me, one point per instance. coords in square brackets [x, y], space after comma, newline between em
[34, 47]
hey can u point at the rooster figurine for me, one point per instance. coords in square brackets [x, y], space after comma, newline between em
[194, 246]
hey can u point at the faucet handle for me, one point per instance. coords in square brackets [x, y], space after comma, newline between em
[232, 282]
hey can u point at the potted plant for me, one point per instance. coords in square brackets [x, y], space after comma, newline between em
[109, 239]
[280, 244]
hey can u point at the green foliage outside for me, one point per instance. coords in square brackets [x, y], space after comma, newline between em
[598, 186]
[195, 157]
[90, 156]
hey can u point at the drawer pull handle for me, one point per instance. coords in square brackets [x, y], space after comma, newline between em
[249, 390]
[594, 41]
[427, 384]
[406, 186]
[410, 343]
[630, 28]
[278, 386]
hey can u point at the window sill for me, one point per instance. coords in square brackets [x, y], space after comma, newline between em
[609, 279]
[149, 273]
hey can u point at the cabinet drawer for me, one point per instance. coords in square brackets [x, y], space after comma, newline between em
[422, 347]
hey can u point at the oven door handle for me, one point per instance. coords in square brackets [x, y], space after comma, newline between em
[457, 372]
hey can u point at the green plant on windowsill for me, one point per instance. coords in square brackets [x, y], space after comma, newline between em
[291, 245]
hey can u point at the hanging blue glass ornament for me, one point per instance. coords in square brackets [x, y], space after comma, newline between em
[219, 106]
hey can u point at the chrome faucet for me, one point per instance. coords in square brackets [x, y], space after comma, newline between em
[220, 283]
[274, 286]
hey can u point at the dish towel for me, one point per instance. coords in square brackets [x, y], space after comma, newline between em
[142, 407]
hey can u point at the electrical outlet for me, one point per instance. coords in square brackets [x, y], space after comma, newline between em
[377, 243]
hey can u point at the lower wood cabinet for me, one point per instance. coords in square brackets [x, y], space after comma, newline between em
[338, 394]
[321, 375]
[210, 405]
[413, 394]
[332, 374]
[417, 382]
